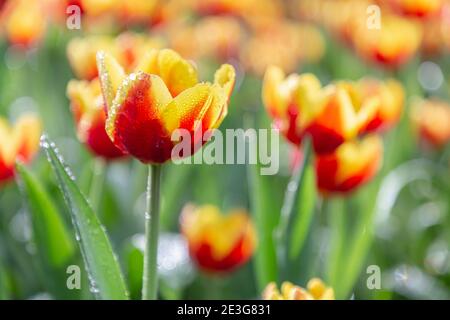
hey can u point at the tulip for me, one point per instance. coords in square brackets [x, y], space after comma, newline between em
[218, 243]
[432, 119]
[393, 44]
[145, 108]
[329, 115]
[391, 99]
[418, 8]
[315, 290]
[349, 166]
[24, 22]
[18, 143]
[163, 95]
[90, 116]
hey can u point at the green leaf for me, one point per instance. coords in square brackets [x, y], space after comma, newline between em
[55, 245]
[101, 263]
[53, 241]
[301, 221]
[264, 217]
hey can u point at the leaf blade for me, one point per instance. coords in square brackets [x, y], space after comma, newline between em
[101, 263]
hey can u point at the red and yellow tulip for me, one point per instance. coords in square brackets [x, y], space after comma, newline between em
[161, 96]
[315, 290]
[90, 116]
[20, 142]
[24, 22]
[432, 119]
[218, 243]
[391, 97]
[394, 43]
[299, 104]
[418, 8]
[349, 166]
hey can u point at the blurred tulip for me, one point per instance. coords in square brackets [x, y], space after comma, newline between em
[24, 22]
[351, 165]
[146, 107]
[126, 48]
[417, 8]
[218, 37]
[98, 7]
[393, 44]
[300, 105]
[90, 116]
[218, 243]
[282, 44]
[316, 290]
[391, 97]
[20, 142]
[432, 119]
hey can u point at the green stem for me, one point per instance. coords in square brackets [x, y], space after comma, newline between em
[150, 279]
[98, 179]
[335, 211]
[288, 205]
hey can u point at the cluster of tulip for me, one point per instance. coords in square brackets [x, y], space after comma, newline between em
[342, 120]
[388, 33]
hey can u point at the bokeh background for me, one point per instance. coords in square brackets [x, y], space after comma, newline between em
[399, 221]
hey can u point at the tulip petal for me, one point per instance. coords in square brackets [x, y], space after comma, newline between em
[111, 76]
[189, 107]
[135, 124]
[177, 73]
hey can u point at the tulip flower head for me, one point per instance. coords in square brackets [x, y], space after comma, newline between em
[392, 45]
[20, 142]
[391, 97]
[315, 290]
[330, 115]
[418, 8]
[218, 243]
[90, 116]
[24, 21]
[349, 166]
[162, 95]
[432, 119]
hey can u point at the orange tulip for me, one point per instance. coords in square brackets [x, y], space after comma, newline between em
[24, 22]
[393, 44]
[351, 165]
[329, 115]
[20, 142]
[315, 290]
[216, 242]
[90, 116]
[432, 118]
[163, 95]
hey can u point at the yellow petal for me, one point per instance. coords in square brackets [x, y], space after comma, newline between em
[111, 75]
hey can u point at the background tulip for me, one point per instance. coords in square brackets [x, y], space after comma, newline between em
[217, 242]
[18, 143]
[316, 290]
[351, 165]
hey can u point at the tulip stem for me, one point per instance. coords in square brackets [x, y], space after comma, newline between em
[98, 179]
[289, 202]
[150, 279]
